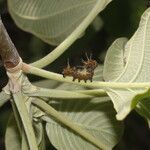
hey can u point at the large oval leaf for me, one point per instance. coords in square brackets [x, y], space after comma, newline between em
[51, 20]
[15, 141]
[12, 136]
[137, 55]
[97, 117]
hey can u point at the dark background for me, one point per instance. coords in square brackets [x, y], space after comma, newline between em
[121, 19]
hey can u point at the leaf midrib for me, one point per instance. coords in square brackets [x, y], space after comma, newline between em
[52, 37]
[87, 127]
[139, 68]
[52, 15]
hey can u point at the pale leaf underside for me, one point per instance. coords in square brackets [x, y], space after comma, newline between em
[97, 117]
[137, 59]
[12, 136]
[51, 20]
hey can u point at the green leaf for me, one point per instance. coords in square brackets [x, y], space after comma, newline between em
[137, 60]
[3, 98]
[97, 23]
[12, 136]
[52, 20]
[38, 126]
[19, 99]
[50, 84]
[39, 133]
[24, 142]
[98, 108]
[143, 108]
[114, 60]
[97, 117]
[98, 73]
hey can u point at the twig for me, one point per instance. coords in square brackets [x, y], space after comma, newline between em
[8, 51]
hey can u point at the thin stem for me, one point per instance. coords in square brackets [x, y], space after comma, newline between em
[61, 94]
[17, 117]
[95, 92]
[24, 142]
[26, 121]
[94, 84]
[66, 121]
[71, 38]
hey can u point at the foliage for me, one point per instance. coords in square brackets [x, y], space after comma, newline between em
[75, 115]
[52, 21]
[132, 67]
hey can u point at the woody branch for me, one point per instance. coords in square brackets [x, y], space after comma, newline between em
[8, 51]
